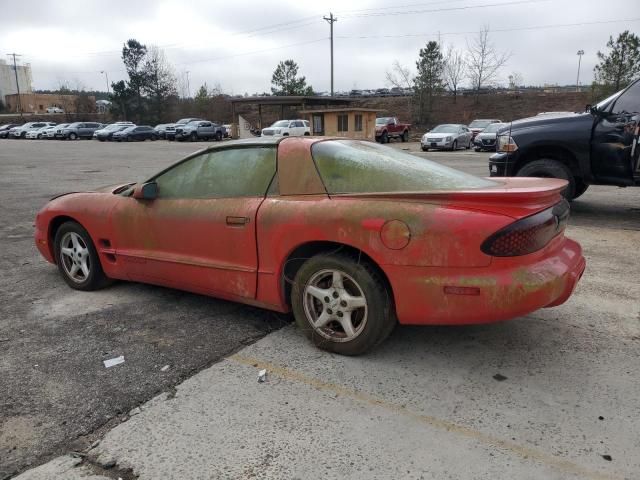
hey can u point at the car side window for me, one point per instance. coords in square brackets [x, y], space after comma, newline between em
[629, 101]
[234, 172]
[299, 124]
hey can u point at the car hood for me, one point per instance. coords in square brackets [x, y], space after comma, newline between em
[486, 135]
[439, 135]
[530, 122]
[105, 189]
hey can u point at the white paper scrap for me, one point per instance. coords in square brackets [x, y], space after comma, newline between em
[113, 361]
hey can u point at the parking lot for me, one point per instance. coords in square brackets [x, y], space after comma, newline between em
[550, 395]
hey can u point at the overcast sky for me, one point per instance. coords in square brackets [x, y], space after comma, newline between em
[238, 44]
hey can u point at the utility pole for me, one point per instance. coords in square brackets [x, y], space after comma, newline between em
[331, 20]
[15, 70]
[188, 89]
[580, 53]
[107, 79]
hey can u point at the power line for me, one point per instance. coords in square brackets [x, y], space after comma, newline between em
[515, 29]
[449, 9]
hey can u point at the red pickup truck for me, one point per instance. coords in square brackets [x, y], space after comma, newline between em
[389, 127]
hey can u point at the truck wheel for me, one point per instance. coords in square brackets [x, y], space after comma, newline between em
[581, 187]
[218, 136]
[384, 138]
[341, 304]
[405, 136]
[549, 168]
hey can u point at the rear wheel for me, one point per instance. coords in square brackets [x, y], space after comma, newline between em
[550, 168]
[405, 136]
[77, 258]
[342, 305]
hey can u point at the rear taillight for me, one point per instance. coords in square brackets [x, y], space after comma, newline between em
[529, 234]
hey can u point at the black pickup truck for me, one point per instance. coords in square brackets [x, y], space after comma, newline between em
[597, 147]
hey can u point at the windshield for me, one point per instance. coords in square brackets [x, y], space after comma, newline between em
[114, 127]
[493, 128]
[281, 123]
[480, 123]
[382, 121]
[445, 129]
[603, 104]
[184, 120]
[352, 166]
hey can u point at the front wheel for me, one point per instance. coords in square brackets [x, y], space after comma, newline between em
[454, 145]
[193, 137]
[342, 305]
[550, 168]
[405, 136]
[384, 138]
[218, 136]
[73, 136]
[77, 258]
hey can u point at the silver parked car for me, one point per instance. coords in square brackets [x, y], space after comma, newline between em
[448, 136]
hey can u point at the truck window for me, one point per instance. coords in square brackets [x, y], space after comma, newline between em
[629, 101]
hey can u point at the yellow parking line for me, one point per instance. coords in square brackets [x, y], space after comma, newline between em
[522, 451]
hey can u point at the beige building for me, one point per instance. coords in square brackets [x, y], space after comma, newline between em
[8, 79]
[351, 122]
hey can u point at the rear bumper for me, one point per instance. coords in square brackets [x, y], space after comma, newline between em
[508, 288]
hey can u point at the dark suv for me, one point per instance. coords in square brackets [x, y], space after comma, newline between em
[597, 147]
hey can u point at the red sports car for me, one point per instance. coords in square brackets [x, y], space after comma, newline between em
[351, 236]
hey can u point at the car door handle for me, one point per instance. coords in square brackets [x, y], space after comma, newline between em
[237, 221]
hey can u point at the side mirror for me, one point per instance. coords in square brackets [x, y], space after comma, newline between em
[146, 191]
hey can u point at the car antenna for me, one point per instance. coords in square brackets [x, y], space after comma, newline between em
[506, 167]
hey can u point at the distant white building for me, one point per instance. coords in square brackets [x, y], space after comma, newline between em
[8, 79]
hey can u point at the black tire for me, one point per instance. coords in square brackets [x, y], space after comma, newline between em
[218, 136]
[73, 136]
[405, 136]
[384, 138]
[154, 138]
[100, 139]
[468, 147]
[581, 187]
[425, 149]
[96, 278]
[285, 134]
[477, 149]
[307, 134]
[193, 137]
[549, 168]
[380, 319]
[454, 146]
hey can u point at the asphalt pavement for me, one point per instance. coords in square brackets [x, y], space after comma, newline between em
[550, 395]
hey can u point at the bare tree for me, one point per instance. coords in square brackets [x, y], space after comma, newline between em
[399, 76]
[454, 70]
[484, 61]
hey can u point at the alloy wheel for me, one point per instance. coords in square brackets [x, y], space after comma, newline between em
[74, 255]
[335, 305]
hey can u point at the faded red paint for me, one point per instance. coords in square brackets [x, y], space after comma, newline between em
[423, 242]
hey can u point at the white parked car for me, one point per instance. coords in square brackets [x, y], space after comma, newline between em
[288, 128]
[448, 136]
[22, 130]
[54, 110]
[39, 133]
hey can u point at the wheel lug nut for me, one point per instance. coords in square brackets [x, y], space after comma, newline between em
[329, 311]
[340, 314]
[343, 303]
[335, 294]
[327, 299]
